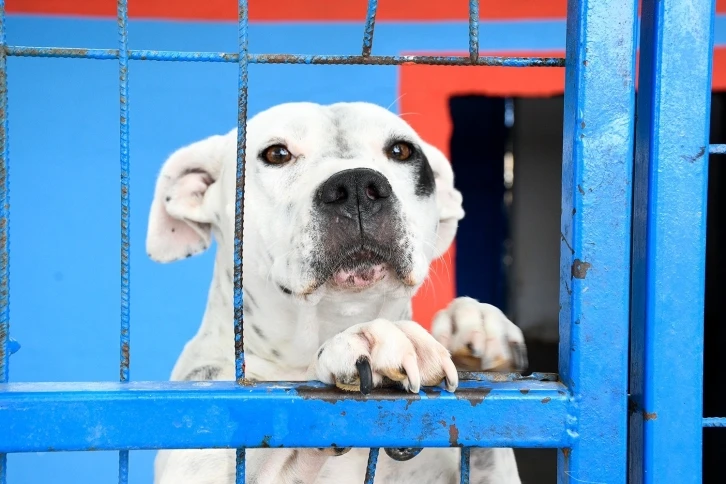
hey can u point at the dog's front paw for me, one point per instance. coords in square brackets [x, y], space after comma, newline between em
[480, 337]
[369, 355]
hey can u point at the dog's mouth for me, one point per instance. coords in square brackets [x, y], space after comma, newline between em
[359, 269]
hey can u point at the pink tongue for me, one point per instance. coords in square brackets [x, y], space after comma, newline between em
[359, 278]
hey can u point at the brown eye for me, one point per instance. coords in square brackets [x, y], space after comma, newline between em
[277, 155]
[400, 151]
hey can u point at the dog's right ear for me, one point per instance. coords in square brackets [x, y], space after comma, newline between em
[181, 216]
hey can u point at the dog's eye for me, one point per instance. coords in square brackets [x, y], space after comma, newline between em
[400, 151]
[277, 155]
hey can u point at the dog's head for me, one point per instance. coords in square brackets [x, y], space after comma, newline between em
[342, 197]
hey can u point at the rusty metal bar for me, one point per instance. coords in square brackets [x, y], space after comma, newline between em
[239, 195]
[370, 26]
[4, 226]
[473, 30]
[123, 75]
[239, 354]
[173, 56]
[465, 464]
[371, 466]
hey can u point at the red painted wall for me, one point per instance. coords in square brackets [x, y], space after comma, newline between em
[308, 10]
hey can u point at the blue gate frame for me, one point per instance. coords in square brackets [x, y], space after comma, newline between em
[620, 182]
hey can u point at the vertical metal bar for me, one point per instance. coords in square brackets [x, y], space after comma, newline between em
[465, 464]
[595, 236]
[4, 224]
[239, 196]
[122, 13]
[474, 30]
[670, 183]
[371, 467]
[370, 25]
[240, 467]
[239, 217]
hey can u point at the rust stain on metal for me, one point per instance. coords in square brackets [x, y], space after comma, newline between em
[524, 391]
[266, 441]
[546, 400]
[453, 435]
[473, 396]
[650, 416]
[124, 358]
[335, 395]
[579, 189]
[580, 268]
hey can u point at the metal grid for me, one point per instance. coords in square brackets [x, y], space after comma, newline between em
[583, 412]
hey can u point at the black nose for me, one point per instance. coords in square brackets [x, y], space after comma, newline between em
[357, 192]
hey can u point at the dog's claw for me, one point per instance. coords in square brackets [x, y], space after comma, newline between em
[402, 454]
[365, 374]
[519, 356]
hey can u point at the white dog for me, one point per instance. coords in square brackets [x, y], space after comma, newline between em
[346, 208]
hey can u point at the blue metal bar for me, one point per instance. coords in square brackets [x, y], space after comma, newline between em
[40, 417]
[714, 422]
[717, 149]
[371, 466]
[125, 349]
[370, 26]
[243, 54]
[465, 465]
[595, 236]
[240, 466]
[473, 30]
[174, 56]
[4, 225]
[239, 196]
[669, 228]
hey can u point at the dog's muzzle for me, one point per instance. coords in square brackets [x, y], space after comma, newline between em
[359, 224]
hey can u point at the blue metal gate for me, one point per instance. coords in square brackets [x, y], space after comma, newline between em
[628, 190]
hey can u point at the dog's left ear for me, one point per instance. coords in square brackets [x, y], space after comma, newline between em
[186, 195]
[448, 198]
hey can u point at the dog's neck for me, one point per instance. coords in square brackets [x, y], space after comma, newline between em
[281, 332]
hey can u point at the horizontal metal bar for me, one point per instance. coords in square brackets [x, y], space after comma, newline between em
[714, 422]
[717, 149]
[178, 56]
[43, 417]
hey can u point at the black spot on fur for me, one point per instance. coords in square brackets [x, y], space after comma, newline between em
[275, 353]
[249, 297]
[173, 229]
[168, 198]
[320, 352]
[189, 254]
[285, 290]
[425, 182]
[204, 373]
[258, 331]
[247, 309]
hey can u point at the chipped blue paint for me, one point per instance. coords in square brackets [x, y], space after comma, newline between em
[669, 228]
[137, 415]
[595, 248]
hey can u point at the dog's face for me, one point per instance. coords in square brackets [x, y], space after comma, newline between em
[344, 197]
